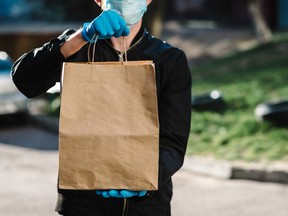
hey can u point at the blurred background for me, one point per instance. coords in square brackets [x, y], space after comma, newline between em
[237, 52]
[235, 47]
[35, 21]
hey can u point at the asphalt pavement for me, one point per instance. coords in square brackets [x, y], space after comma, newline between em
[29, 174]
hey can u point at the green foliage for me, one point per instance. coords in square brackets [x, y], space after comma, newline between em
[245, 80]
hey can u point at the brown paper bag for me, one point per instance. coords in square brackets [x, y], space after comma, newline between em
[109, 130]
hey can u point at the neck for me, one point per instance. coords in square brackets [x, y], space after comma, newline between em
[127, 40]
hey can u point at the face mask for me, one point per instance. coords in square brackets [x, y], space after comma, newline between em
[131, 10]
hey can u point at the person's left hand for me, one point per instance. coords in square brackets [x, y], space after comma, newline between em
[120, 193]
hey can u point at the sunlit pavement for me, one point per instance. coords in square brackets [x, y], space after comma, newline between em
[198, 196]
[27, 181]
[29, 174]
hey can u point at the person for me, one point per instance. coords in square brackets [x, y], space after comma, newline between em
[38, 70]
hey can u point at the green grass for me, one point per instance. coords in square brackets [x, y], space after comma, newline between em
[245, 80]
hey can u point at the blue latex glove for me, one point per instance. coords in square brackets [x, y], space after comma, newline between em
[120, 193]
[108, 24]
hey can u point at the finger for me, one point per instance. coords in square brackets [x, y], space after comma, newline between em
[113, 193]
[118, 33]
[101, 30]
[141, 193]
[105, 194]
[113, 20]
[127, 194]
[109, 32]
[122, 21]
[124, 193]
[116, 26]
[98, 192]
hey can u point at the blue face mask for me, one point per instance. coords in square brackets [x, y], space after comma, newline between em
[131, 10]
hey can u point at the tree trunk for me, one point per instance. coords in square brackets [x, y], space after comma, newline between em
[153, 19]
[263, 32]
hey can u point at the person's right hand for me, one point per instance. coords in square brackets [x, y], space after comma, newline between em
[108, 24]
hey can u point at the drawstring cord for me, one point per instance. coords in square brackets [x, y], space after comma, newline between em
[123, 50]
[124, 207]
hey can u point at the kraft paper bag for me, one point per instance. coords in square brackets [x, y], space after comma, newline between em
[109, 128]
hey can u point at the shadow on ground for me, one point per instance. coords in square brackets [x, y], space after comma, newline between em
[21, 133]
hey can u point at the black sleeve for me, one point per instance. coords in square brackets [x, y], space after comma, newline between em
[174, 113]
[38, 70]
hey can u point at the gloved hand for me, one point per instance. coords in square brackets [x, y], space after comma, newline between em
[120, 193]
[108, 24]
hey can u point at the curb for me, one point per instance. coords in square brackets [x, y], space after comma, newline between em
[43, 121]
[276, 172]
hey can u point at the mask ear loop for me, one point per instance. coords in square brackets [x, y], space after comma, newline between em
[93, 40]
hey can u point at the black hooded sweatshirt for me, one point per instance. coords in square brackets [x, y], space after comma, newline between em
[38, 70]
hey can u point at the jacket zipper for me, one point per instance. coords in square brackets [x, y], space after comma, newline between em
[124, 207]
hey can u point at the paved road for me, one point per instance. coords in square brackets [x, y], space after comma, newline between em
[198, 196]
[28, 173]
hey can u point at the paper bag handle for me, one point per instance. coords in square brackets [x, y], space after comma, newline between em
[94, 39]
